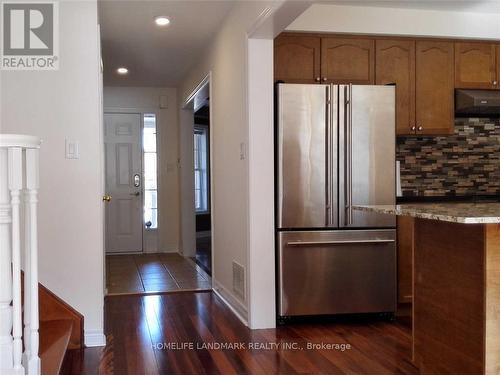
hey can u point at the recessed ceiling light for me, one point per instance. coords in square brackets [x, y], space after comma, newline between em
[122, 70]
[162, 21]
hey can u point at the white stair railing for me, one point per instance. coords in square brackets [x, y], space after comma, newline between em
[18, 176]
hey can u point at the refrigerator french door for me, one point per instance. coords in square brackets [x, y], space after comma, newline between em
[335, 149]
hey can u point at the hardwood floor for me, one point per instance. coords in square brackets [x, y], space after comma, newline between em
[153, 273]
[139, 329]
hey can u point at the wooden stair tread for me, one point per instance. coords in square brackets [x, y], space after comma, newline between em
[54, 340]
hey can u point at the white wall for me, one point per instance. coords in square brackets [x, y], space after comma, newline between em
[148, 99]
[55, 105]
[378, 20]
[261, 256]
[226, 58]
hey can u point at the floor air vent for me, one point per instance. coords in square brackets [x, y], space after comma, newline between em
[239, 280]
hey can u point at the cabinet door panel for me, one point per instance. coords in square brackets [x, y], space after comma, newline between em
[395, 63]
[346, 60]
[497, 70]
[297, 58]
[434, 87]
[475, 65]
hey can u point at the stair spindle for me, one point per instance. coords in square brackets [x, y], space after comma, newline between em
[19, 176]
[32, 184]
[27, 278]
[15, 156]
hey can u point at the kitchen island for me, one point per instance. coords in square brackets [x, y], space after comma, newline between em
[456, 286]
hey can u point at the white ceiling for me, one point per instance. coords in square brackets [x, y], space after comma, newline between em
[475, 6]
[156, 57]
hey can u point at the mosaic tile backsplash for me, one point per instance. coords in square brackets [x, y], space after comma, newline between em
[465, 163]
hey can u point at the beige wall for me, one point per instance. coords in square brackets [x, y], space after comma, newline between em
[148, 99]
[226, 58]
[56, 105]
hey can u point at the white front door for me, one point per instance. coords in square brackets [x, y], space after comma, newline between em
[122, 142]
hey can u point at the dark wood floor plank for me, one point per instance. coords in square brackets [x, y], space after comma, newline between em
[178, 359]
[138, 326]
[300, 361]
[133, 350]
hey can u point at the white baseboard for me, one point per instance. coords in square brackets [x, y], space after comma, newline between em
[94, 337]
[234, 304]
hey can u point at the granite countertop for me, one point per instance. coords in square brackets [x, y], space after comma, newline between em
[464, 213]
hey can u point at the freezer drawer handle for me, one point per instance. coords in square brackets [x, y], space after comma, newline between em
[339, 242]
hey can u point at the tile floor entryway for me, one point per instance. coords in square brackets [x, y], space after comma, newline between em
[153, 273]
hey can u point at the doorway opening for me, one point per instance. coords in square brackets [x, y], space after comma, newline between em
[197, 201]
[203, 219]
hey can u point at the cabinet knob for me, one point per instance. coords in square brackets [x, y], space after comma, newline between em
[420, 128]
[413, 128]
[325, 79]
[495, 83]
[317, 79]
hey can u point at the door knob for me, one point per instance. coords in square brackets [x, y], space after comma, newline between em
[106, 198]
[136, 194]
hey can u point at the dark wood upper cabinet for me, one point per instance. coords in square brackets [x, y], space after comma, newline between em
[497, 55]
[475, 65]
[297, 58]
[347, 60]
[434, 87]
[395, 63]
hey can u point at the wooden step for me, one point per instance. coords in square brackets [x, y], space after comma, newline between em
[54, 340]
[51, 307]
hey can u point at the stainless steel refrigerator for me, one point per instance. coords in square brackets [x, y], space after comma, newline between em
[335, 149]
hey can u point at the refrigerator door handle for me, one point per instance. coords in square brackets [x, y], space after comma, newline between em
[349, 220]
[328, 147]
[338, 242]
[332, 157]
[348, 154]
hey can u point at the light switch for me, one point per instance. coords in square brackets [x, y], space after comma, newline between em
[72, 149]
[243, 151]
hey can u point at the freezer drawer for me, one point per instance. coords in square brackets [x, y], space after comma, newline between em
[337, 272]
